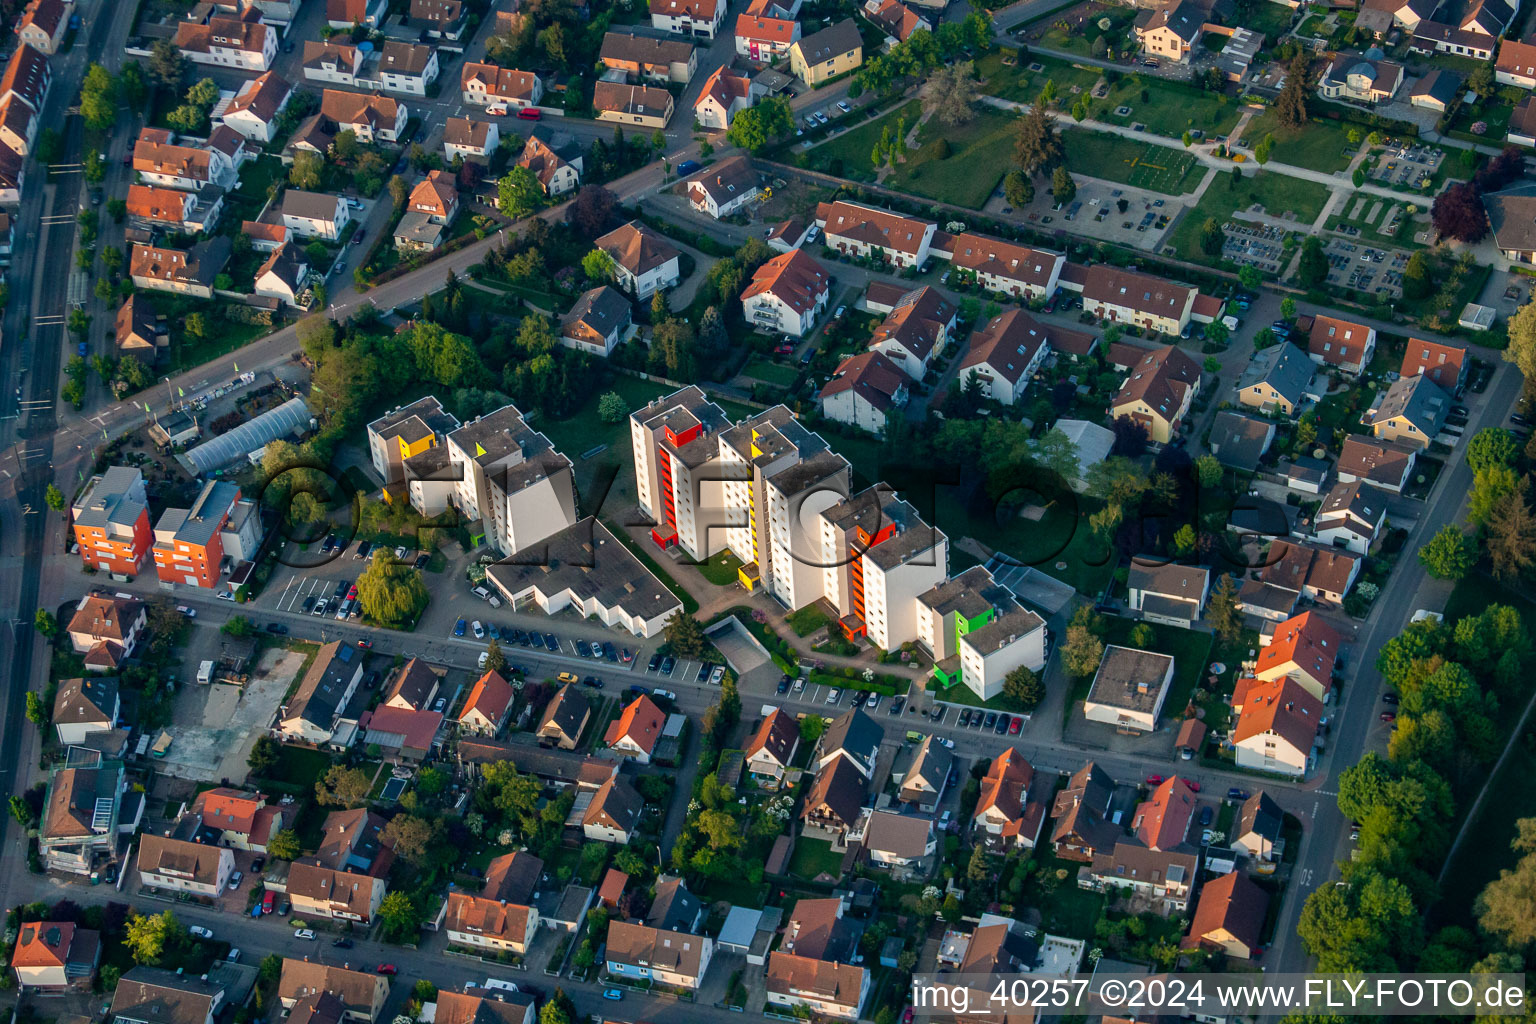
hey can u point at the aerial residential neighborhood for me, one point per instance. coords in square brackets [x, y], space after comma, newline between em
[593, 511]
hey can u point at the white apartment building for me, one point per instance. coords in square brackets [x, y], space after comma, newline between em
[878, 557]
[978, 632]
[242, 43]
[778, 477]
[786, 294]
[510, 478]
[678, 475]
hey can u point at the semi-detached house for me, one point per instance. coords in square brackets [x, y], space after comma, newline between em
[786, 295]
[1004, 355]
[1006, 267]
[243, 43]
[1142, 300]
[699, 19]
[859, 230]
[864, 390]
[1158, 392]
[671, 958]
[158, 160]
[486, 85]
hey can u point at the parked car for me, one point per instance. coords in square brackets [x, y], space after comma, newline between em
[235, 879]
[873, 702]
[667, 665]
[1388, 716]
[304, 933]
[200, 932]
[990, 720]
[1237, 794]
[1194, 787]
[1154, 780]
[834, 695]
[267, 901]
[479, 630]
[654, 663]
[530, 114]
[342, 943]
[783, 686]
[965, 717]
[1206, 814]
[363, 547]
[1015, 726]
[613, 993]
[277, 629]
[459, 627]
[386, 969]
[365, 644]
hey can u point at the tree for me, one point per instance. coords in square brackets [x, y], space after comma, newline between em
[611, 408]
[45, 623]
[146, 937]
[1263, 151]
[1361, 926]
[1312, 267]
[1450, 554]
[166, 65]
[391, 593]
[1481, 80]
[598, 266]
[409, 835]
[684, 636]
[306, 169]
[1082, 651]
[285, 845]
[811, 728]
[1063, 188]
[590, 210]
[1418, 276]
[98, 98]
[949, 95]
[1288, 309]
[37, 712]
[519, 192]
[1212, 238]
[398, 913]
[1291, 104]
[495, 659]
[133, 85]
[1024, 688]
[54, 497]
[399, 191]
[1511, 536]
[1507, 905]
[1458, 213]
[1489, 486]
[757, 126]
[1184, 540]
[264, 756]
[1018, 189]
[1491, 446]
[341, 786]
[1215, 332]
[1222, 614]
[1208, 470]
[1250, 277]
[1036, 143]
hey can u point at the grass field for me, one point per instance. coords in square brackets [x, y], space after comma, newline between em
[812, 857]
[1169, 108]
[770, 373]
[1276, 193]
[1138, 164]
[1269, 18]
[1319, 145]
[1081, 43]
[1023, 85]
[848, 154]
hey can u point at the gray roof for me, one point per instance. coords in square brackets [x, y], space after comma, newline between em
[681, 410]
[1239, 441]
[1284, 368]
[857, 735]
[86, 701]
[512, 453]
[198, 524]
[219, 452]
[418, 228]
[1439, 84]
[318, 698]
[876, 507]
[107, 500]
[151, 995]
[587, 560]
[1419, 400]
[311, 205]
[602, 309]
[1122, 674]
[904, 835]
[832, 41]
[1186, 582]
[1512, 214]
[622, 46]
[427, 411]
[675, 908]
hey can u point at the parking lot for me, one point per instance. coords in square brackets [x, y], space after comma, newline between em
[1095, 212]
[1410, 165]
[1256, 245]
[1366, 268]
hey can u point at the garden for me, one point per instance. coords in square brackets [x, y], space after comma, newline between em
[1138, 164]
[1272, 191]
[1166, 108]
[1319, 145]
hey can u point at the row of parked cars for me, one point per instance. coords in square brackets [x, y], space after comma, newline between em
[1009, 725]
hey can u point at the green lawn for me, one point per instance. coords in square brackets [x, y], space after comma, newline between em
[583, 431]
[1319, 145]
[979, 153]
[1170, 108]
[1269, 18]
[1064, 908]
[848, 154]
[1021, 84]
[771, 373]
[1138, 164]
[720, 569]
[813, 857]
[1081, 41]
[1275, 192]
[299, 766]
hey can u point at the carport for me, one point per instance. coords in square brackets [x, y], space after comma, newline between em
[1030, 584]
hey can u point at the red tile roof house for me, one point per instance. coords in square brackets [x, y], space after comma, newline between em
[916, 330]
[1229, 917]
[765, 39]
[243, 820]
[485, 712]
[863, 391]
[255, 109]
[699, 19]
[1005, 354]
[488, 85]
[1007, 268]
[402, 734]
[42, 24]
[367, 116]
[1516, 64]
[106, 629]
[1341, 344]
[635, 732]
[1446, 365]
[242, 43]
[55, 955]
[861, 230]
[1274, 725]
[1304, 648]
[1384, 464]
[1128, 297]
[1005, 814]
[786, 295]
[437, 196]
[724, 95]
[343, 14]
